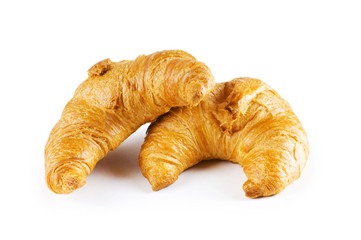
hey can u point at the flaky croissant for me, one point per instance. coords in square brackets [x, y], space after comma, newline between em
[115, 100]
[243, 121]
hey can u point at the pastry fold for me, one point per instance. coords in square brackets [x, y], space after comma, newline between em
[115, 100]
[243, 121]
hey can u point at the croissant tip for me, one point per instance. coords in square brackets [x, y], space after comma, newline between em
[264, 188]
[252, 190]
[72, 182]
[155, 187]
[66, 182]
[158, 184]
[100, 68]
[160, 181]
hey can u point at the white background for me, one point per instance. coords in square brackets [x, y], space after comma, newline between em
[309, 51]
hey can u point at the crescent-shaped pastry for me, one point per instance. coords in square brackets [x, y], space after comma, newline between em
[115, 100]
[242, 121]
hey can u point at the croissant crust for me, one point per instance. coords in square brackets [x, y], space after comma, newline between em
[115, 100]
[242, 121]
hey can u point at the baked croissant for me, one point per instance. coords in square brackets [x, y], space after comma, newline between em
[115, 100]
[243, 121]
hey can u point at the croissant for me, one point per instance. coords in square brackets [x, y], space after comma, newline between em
[115, 100]
[243, 121]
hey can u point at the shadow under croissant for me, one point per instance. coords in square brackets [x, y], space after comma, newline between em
[217, 176]
[123, 164]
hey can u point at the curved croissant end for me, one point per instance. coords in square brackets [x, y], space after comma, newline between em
[242, 121]
[116, 99]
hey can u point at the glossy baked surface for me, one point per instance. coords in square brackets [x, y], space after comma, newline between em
[243, 121]
[115, 100]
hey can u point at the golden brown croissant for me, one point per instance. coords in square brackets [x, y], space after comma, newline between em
[115, 100]
[243, 121]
